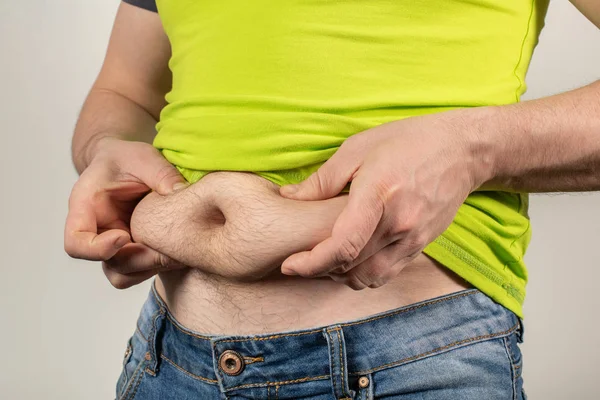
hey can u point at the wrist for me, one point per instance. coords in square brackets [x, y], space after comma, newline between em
[481, 132]
[86, 153]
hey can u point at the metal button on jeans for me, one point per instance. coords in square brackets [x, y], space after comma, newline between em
[363, 382]
[231, 362]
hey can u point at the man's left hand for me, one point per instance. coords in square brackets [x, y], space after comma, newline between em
[409, 178]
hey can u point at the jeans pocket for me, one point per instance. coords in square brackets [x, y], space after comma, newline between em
[133, 360]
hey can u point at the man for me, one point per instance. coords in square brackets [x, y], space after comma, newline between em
[259, 291]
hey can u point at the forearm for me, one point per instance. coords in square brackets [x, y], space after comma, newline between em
[107, 113]
[546, 145]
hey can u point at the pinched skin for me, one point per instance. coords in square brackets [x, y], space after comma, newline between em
[233, 224]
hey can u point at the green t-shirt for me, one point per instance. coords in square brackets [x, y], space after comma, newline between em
[274, 87]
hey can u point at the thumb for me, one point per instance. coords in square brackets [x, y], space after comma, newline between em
[328, 181]
[159, 174]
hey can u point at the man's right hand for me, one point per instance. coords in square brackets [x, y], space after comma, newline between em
[119, 175]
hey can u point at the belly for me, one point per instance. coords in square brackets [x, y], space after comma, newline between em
[234, 230]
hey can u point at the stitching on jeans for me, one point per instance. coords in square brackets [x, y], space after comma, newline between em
[341, 362]
[513, 358]
[269, 392]
[252, 360]
[139, 330]
[218, 370]
[148, 370]
[166, 312]
[176, 325]
[276, 392]
[416, 307]
[259, 339]
[401, 311]
[201, 378]
[281, 383]
[427, 353]
[132, 379]
[141, 377]
[135, 381]
[333, 362]
[512, 370]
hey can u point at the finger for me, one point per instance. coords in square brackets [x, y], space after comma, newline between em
[329, 179]
[381, 238]
[81, 238]
[122, 281]
[135, 257]
[156, 172]
[351, 232]
[377, 270]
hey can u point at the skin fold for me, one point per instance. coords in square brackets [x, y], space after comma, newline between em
[232, 224]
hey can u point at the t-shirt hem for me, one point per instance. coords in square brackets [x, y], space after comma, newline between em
[478, 273]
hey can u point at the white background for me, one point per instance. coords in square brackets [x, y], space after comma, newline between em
[63, 328]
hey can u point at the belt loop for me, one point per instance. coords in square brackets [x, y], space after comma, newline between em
[154, 341]
[520, 331]
[337, 362]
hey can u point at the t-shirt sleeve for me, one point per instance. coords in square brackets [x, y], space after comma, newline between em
[146, 4]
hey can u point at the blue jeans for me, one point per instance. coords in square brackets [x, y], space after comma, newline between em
[460, 346]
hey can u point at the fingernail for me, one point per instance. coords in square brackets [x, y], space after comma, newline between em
[121, 241]
[288, 271]
[179, 186]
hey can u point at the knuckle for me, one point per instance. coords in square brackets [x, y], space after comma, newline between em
[379, 277]
[348, 252]
[342, 269]
[414, 244]
[377, 284]
[318, 181]
[403, 223]
[358, 282]
[165, 172]
[419, 243]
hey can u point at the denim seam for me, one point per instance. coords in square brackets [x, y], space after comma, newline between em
[135, 377]
[169, 316]
[141, 377]
[332, 364]
[220, 377]
[153, 362]
[512, 369]
[185, 332]
[180, 368]
[129, 384]
[513, 360]
[252, 360]
[469, 292]
[276, 392]
[343, 378]
[281, 383]
[439, 349]
[139, 330]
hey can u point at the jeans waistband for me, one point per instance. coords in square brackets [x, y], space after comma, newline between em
[416, 331]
